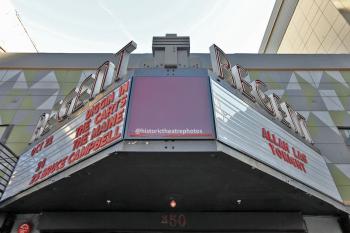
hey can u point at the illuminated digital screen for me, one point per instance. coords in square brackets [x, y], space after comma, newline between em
[170, 107]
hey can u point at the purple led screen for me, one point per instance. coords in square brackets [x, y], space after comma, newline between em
[170, 107]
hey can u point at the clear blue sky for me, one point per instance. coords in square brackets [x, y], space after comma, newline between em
[106, 25]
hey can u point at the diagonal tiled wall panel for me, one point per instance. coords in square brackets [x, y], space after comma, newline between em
[26, 94]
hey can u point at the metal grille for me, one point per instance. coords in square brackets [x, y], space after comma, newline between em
[8, 162]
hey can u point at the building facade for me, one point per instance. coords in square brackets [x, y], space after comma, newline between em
[191, 149]
[304, 26]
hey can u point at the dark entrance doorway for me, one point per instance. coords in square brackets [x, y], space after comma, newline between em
[161, 222]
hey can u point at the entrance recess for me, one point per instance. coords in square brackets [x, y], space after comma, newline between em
[171, 222]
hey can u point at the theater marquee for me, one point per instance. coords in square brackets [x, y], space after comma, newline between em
[255, 92]
[93, 116]
[240, 126]
[60, 141]
[243, 128]
[98, 127]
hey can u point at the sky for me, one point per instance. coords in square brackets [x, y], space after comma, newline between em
[105, 26]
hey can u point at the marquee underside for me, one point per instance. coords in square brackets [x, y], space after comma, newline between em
[147, 181]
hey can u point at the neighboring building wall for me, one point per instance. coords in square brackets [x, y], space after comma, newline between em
[344, 8]
[308, 26]
[316, 27]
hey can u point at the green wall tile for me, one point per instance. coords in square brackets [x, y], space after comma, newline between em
[308, 90]
[7, 115]
[17, 147]
[338, 117]
[31, 76]
[342, 182]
